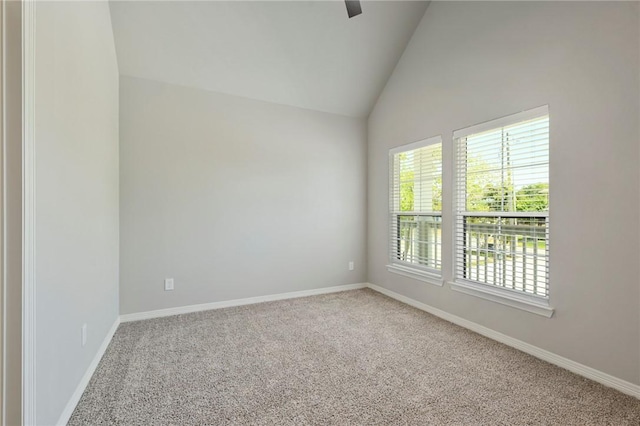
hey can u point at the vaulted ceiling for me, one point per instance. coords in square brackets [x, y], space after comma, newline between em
[306, 54]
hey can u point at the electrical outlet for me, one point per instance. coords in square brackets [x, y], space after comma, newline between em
[84, 334]
[168, 284]
[351, 266]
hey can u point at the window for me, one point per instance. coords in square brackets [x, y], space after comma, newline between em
[415, 188]
[502, 207]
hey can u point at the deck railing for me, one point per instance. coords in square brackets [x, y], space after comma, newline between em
[506, 251]
[419, 240]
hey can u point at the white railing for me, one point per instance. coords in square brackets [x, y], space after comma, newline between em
[419, 240]
[505, 251]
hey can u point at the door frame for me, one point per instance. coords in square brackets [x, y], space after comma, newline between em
[17, 213]
[2, 366]
[28, 214]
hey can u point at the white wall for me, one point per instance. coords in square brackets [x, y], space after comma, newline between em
[472, 62]
[77, 194]
[234, 198]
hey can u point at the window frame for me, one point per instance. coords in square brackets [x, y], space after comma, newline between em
[515, 298]
[395, 265]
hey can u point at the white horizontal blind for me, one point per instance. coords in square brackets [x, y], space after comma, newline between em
[415, 219]
[502, 208]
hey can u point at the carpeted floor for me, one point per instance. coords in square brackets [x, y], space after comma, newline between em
[354, 357]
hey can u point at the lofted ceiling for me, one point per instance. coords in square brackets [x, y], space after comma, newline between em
[306, 54]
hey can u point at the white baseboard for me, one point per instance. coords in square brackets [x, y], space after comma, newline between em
[75, 398]
[236, 302]
[575, 367]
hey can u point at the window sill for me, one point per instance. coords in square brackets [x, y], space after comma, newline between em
[416, 274]
[505, 297]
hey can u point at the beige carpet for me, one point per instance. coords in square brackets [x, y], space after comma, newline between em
[348, 358]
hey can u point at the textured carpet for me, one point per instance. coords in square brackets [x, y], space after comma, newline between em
[354, 357]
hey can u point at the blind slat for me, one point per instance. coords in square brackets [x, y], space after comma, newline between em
[415, 204]
[502, 199]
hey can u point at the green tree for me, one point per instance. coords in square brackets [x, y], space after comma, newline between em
[406, 185]
[534, 197]
[484, 189]
[437, 182]
[437, 194]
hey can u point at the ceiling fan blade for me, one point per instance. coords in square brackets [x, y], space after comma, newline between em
[353, 8]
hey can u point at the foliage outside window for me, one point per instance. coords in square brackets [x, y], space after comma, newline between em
[502, 215]
[416, 205]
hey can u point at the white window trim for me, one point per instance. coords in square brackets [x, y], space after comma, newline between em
[529, 114]
[423, 275]
[430, 276]
[505, 296]
[416, 145]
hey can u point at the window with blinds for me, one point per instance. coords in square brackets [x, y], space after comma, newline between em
[502, 203]
[415, 218]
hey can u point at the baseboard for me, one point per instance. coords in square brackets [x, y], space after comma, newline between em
[75, 398]
[236, 302]
[77, 394]
[575, 367]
